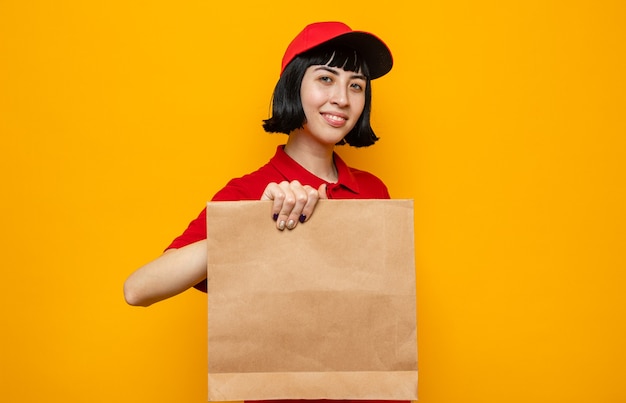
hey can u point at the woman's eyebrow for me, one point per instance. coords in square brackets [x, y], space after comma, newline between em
[335, 72]
[328, 69]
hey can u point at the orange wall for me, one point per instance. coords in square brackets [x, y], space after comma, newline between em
[503, 120]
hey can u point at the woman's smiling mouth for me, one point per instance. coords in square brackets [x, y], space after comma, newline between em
[335, 120]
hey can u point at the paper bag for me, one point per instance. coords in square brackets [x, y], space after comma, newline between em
[325, 311]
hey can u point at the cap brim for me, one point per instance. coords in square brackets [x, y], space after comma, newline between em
[376, 54]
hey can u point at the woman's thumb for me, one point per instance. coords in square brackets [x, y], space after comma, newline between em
[322, 191]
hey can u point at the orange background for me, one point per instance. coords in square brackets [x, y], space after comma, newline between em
[503, 120]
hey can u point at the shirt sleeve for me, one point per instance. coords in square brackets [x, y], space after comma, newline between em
[196, 231]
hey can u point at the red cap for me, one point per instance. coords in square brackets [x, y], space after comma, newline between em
[376, 54]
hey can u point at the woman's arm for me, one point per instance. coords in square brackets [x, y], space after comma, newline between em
[179, 269]
[173, 272]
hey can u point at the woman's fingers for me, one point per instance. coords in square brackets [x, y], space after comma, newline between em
[314, 197]
[307, 210]
[292, 202]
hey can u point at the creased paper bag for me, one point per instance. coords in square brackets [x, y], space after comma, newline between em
[325, 311]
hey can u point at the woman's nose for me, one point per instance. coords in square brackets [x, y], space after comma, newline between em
[339, 96]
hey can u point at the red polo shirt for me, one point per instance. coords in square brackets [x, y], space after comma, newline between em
[352, 184]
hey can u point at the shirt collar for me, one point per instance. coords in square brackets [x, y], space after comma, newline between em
[290, 170]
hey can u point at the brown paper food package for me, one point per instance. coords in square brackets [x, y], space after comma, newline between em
[325, 311]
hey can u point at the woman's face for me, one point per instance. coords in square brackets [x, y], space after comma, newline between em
[333, 100]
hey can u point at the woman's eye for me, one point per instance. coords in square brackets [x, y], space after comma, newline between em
[325, 79]
[357, 86]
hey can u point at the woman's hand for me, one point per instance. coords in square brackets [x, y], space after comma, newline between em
[293, 202]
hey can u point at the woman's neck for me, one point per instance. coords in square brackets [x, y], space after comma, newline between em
[314, 157]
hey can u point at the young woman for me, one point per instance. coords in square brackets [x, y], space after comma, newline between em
[323, 98]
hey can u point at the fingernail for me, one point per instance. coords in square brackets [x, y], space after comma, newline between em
[281, 225]
[275, 216]
[291, 224]
[302, 218]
